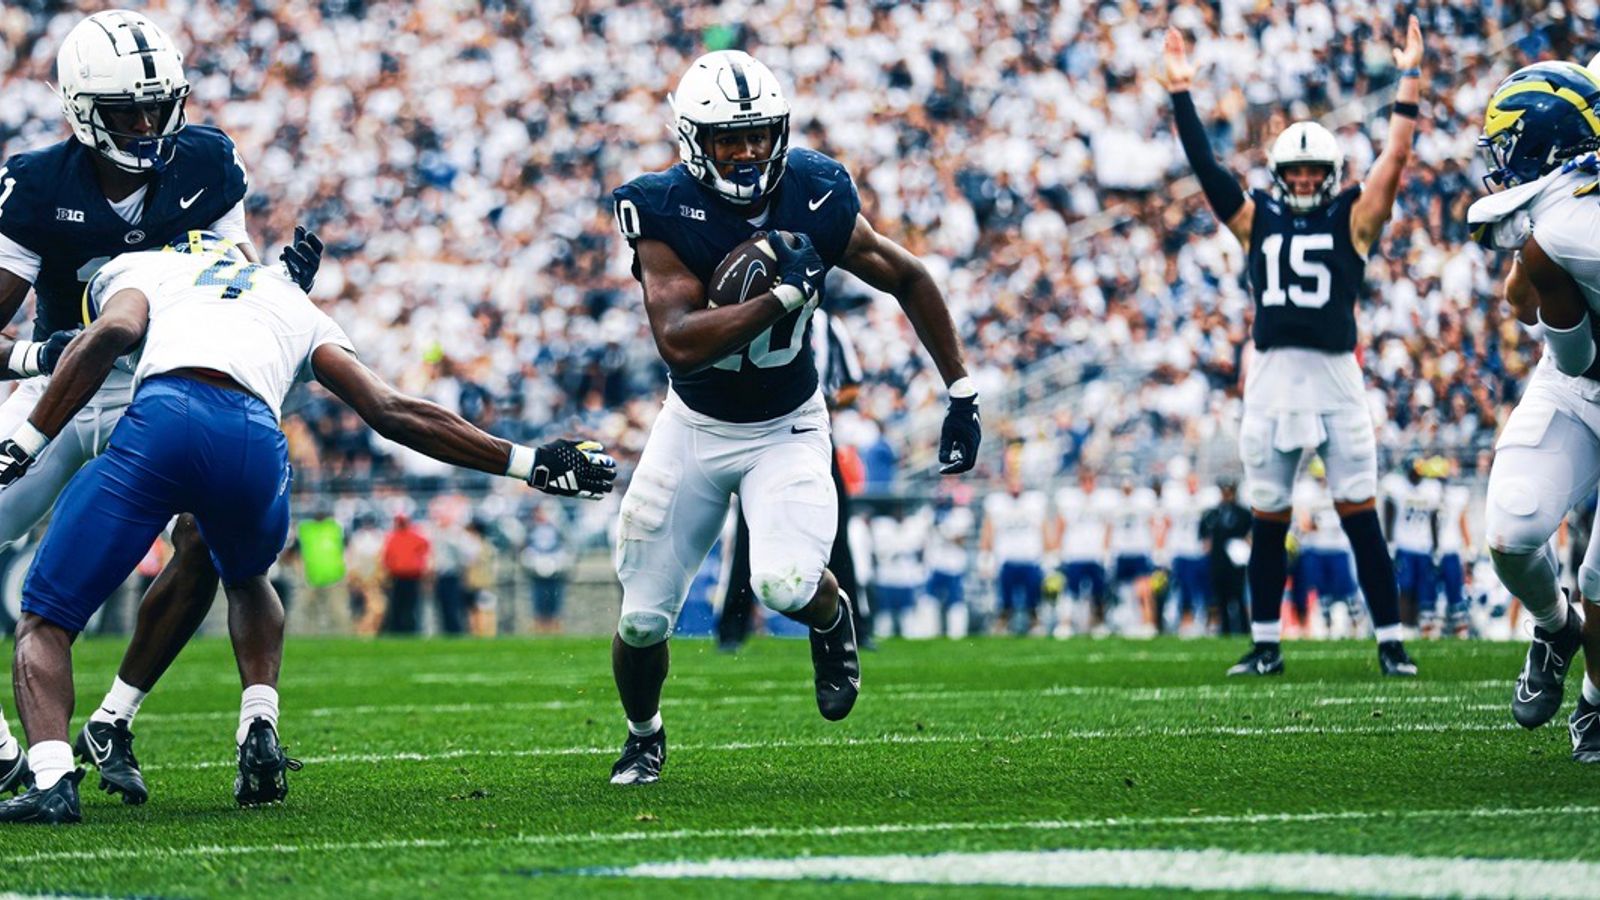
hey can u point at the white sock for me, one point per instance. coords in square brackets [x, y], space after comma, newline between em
[260, 701]
[8, 744]
[121, 702]
[645, 729]
[1591, 691]
[1266, 632]
[1387, 633]
[49, 760]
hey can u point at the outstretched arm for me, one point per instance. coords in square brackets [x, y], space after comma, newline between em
[1233, 208]
[1371, 211]
[88, 360]
[564, 468]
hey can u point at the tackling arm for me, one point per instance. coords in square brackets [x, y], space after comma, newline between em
[1561, 306]
[88, 360]
[689, 335]
[1372, 209]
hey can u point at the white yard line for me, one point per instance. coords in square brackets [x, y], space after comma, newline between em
[1056, 736]
[1188, 870]
[152, 853]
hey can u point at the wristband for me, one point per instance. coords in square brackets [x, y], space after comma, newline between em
[1413, 72]
[963, 388]
[29, 438]
[1407, 110]
[790, 296]
[24, 358]
[521, 467]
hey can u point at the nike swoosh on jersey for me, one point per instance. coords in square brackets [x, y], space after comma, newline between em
[811, 272]
[187, 202]
[817, 203]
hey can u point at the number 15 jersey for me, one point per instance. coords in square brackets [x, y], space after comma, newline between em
[1305, 276]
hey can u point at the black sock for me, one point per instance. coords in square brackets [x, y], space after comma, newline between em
[1269, 568]
[1374, 568]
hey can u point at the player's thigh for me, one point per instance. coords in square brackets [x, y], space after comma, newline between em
[1268, 471]
[98, 535]
[1350, 455]
[671, 515]
[788, 499]
[1547, 460]
[242, 509]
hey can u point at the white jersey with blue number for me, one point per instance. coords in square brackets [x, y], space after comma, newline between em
[209, 311]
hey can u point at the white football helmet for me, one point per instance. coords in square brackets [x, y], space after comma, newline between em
[730, 91]
[120, 62]
[1306, 143]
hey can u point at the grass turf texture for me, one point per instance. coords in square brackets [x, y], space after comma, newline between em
[479, 769]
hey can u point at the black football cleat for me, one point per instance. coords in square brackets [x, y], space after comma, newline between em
[1263, 659]
[108, 746]
[1538, 694]
[15, 776]
[1394, 661]
[642, 759]
[1584, 726]
[263, 767]
[56, 806]
[837, 664]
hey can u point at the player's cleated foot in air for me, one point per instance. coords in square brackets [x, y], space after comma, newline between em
[1263, 659]
[1538, 694]
[837, 664]
[1584, 726]
[642, 759]
[1394, 661]
[108, 746]
[15, 776]
[263, 767]
[56, 806]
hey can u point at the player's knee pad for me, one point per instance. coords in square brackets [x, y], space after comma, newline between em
[1516, 522]
[644, 627]
[786, 590]
[1266, 495]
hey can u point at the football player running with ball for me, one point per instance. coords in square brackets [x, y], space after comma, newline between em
[744, 414]
[133, 176]
[1546, 209]
[1308, 242]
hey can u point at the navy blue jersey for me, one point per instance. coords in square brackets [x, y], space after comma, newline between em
[1305, 275]
[56, 209]
[774, 374]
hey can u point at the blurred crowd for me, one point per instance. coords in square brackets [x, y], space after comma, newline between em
[457, 157]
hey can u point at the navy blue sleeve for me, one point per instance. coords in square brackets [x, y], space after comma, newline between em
[235, 178]
[19, 202]
[832, 198]
[638, 212]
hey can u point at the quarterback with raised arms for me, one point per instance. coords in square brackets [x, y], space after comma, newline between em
[1308, 241]
[744, 414]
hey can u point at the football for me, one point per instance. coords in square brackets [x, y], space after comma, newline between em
[749, 270]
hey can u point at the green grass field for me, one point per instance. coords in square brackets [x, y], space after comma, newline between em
[479, 769]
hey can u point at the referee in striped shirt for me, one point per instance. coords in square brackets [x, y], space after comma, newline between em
[839, 373]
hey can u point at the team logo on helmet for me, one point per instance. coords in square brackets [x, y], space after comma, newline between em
[1539, 117]
[122, 88]
[723, 92]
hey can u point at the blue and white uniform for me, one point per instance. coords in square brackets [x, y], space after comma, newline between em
[1452, 575]
[1191, 576]
[1416, 516]
[185, 445]
[949, 554]
[56, 230]
[752, 424]
[899, 571]
[1133, 542]
[1085, 523]
[1325, 564]
[1017, 526]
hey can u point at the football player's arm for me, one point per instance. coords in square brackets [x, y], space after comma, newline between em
[13, 290]
[1562, 309]
[689, 335]
[563, 468]
[1233, 207]
[1523, 299]
[892, 269]
[88, 360]
[1372, 209]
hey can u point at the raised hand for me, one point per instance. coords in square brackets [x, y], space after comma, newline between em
[1410, 56]
[1179, 71]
